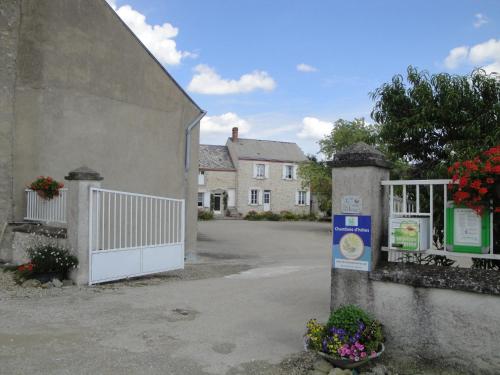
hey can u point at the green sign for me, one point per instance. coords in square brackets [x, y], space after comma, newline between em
[466, 231]
[406, 236]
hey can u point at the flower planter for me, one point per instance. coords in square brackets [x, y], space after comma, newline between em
[48, 276]
[347, 363]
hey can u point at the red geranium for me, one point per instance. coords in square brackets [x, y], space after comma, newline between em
[476, 182]
[46, 187]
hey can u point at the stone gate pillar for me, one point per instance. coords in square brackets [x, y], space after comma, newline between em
[79, 183]
[357, 171]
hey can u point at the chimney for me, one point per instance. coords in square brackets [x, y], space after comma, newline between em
[235, 134]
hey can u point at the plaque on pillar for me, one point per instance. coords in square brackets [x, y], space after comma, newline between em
[352, 242]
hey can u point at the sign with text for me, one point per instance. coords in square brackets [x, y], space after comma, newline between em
[352, 242]
[351, 204]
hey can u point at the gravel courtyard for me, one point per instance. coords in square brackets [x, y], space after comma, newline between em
[239, 307]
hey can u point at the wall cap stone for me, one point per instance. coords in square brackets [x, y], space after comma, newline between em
[83, 173]
[360, 155]
[422, 276]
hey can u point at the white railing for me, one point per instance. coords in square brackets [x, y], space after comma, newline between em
[401, 206]
[121, 221]
[46, 210]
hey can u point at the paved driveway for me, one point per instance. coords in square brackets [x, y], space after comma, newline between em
[241, 303]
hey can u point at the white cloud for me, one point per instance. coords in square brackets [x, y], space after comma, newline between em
[207, 81]
[306, 68]
[456, 57]
[159, 39]
[223, 124]
[314, 128]
[480, 20]
[486, 55]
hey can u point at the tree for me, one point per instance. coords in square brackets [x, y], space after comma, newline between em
[318, 176]
[431, 121]
[346, 133]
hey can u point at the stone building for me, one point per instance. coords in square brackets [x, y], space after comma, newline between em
[79, 88]
[251, 175]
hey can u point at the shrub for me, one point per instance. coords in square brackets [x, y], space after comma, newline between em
[253, 215]
[271, 216]
[288, 216]
[348, 317]
[48, 258]
[205, 215]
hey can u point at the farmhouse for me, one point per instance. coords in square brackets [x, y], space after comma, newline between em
[251, 175]
[80, 89]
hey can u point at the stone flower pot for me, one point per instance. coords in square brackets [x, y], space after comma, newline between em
[347, 363]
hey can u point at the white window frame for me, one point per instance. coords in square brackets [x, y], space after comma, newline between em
[252, 191]
[202, 199]
[289, 172]
[260, 171]
[301, 198]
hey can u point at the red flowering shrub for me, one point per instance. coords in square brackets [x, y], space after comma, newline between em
[46, 187]
[476, 182]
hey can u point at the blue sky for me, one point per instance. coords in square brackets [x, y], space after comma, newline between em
[239, 59]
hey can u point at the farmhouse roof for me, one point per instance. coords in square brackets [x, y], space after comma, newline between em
[215, 157]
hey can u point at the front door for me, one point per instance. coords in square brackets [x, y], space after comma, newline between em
[217, 204]
[267, 200]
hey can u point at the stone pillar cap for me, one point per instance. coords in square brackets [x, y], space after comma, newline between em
[83, 173]
[360, 155]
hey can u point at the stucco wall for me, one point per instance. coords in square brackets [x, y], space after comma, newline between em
[282, 191]
[9, 25]
[446, 328]
[88, 93]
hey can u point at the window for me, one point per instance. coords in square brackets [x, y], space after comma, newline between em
[261, 171]
[201, 178]
[200, 199]
[289, 172]
[254, 196]
[301, 199]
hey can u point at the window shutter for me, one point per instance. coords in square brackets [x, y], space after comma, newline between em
[294, 172]
[296, 198]
[266, 170]
[283, 175]
[308, 198]
[206, 199]
[259, 196]
[250, 196]
[254, 170]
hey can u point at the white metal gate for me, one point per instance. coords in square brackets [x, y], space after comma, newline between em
[133, 234]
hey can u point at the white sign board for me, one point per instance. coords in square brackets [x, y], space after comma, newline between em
[351, 204]
[467, 227]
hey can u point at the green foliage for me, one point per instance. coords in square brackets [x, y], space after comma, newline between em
[431, 121]
[282, 216]
[348, 318]
[205, 215]
[47, 258]
[346, 133]
[318, 176]
[486, 264]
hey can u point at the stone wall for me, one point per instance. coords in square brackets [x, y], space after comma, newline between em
[282, 191]
[218, 180]
[88, 93]
[446, 318]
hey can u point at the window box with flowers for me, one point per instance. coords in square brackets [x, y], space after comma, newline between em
[46, 187]
[476, 183]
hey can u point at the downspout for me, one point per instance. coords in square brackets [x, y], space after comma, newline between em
[187, 165]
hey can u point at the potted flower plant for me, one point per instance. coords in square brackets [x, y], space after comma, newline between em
[46, 187]
[476, 183]
[350, 338]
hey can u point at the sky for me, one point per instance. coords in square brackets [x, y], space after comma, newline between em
[286, 70]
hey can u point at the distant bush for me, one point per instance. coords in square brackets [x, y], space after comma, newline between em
[282, 216]
[205, 215]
